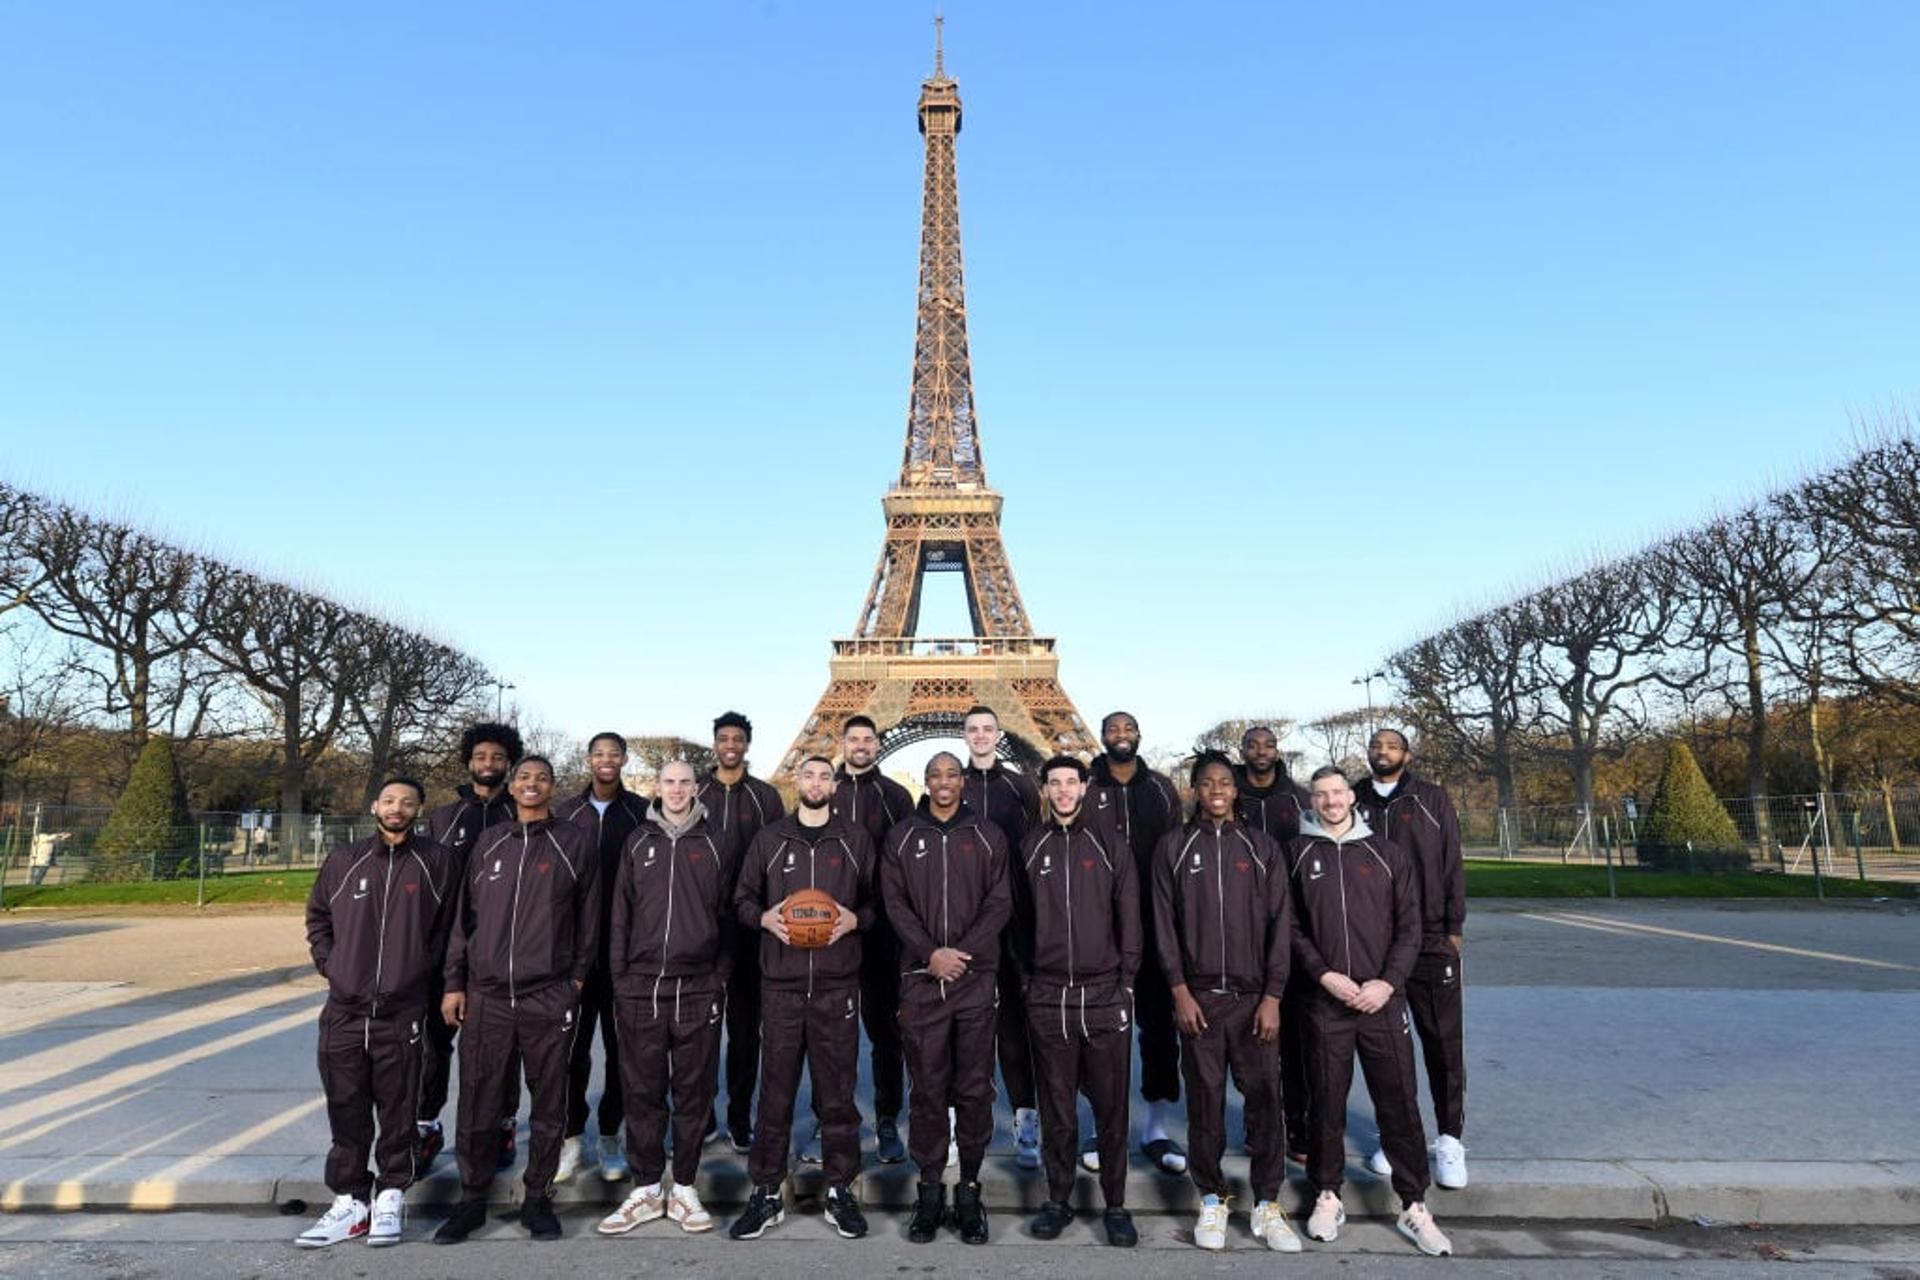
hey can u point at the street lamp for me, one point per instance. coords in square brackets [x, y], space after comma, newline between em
[1368, 680]
[499, 695]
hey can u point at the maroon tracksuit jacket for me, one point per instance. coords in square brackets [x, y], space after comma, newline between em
[1273, 809]
[458, 824]
[377, 922]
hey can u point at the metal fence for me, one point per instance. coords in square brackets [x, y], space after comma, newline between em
[1870, 836]
[55, 844]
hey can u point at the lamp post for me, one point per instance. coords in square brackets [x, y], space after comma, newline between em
[499, 696]
[1368, 680]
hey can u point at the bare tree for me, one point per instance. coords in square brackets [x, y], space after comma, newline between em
[1475, 687]
[1342, 737]
[21, 573]
[411, 701]
[38, 701]
[1876, 496]
[1228, 734]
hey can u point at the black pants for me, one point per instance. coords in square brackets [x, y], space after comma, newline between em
[1228, 1043]
[436, 1061]
[880, 1010]
[947, 1031]
[1010, 1032]
[672, 1033]
[1435, 999]
[820, 1032]
[743, 1030]
[1082, 1042]
[1159, 1038]
[370, 1073]
[538, 1029]
[1294, 1091]
[1384, 1043]
[596, 1011]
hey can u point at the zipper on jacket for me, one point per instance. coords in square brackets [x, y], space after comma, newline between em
[1220, 902]
[380, 952]
[666, 934]
[811, 884]
[1066, 870]
[945, 926]
[513, 917]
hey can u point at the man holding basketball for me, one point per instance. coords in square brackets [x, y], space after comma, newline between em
[810, 996]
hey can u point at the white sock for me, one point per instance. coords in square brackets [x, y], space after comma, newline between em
[651, 1192]
[1157, 1121]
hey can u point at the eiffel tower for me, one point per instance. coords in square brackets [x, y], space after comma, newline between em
[943, 518]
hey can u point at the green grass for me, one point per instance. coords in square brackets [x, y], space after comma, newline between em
[253, 887]
[1491, 878]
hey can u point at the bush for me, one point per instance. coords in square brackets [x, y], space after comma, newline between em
[1686, 812]
[150, 832]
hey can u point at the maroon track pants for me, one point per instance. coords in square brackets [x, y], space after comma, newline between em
[947, 1031]
[1082, 1042]
[539, 1027]
[1228, 1044]
[1384, 1043]
[820, 1032]
[370, 1073]
[670, 1031]
[1439, 1016]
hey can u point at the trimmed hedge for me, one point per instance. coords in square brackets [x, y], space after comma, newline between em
[150, 834]
[1686, 812]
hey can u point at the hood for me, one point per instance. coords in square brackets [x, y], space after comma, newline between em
[658, 817]
[1310, 826]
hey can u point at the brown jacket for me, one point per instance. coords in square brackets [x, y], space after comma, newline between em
[1275, 810]
[1222, 917]
[673, 905]
[529, 910]
[458, 824]
[1357, 909]
[871, 801]
[1419, 817]
[1077, 907]
[736, 811]
[625, 814]
[1005, 797]
[945, 885]
[786, 857]
[1142, 810]
[377, 923]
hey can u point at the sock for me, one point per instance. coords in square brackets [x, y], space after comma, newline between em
[1207, 1202]
[1156, 1121]
[427, 1126]
[653, 1190]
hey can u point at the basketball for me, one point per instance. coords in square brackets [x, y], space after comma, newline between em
[809, 915]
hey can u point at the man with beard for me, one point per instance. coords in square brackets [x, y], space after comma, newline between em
[809, 998]
[377, 923]
[1143, 806]
[1077, 942]
[1418, 815]
[490, 750]
[943, 878]
[1008, 799]
[670, 951]
[611, 813]
[738, 805]
[870, 800]
[524, 941]
[1225, 921]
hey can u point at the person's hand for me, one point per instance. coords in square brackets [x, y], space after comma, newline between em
[1372, 996]
[770, 921]
[1187, 1014]
[578, 986]
[453, 1008]
[1340, 987]
[843, 924]
[948, 964]
[1266, 1019]
[1454, 938]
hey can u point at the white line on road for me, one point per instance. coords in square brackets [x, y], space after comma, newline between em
[1617, 926]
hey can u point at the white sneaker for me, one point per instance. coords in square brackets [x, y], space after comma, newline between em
[810, 1149]
[1211, 1231]
[953, 1138]
[1270, 1224]
[1379, 1163]
[684, 1207]
[1090, 1159]
[345, 1220]
[569, 1159]
[1417, 1225]
[389, 1216]
[643, 1204]
[1449, 1162]
[1328, 1216]
[1026, 1138]
[613, 1156]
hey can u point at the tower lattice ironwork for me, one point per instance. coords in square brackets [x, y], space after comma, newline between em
[943, 518]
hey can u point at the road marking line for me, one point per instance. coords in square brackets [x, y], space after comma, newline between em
[1598, 928]
[1596, 922]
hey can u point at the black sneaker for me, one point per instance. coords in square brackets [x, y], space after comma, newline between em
[887, 1147]
[509, 1145]
[1051, 1220]
[969, 1215]
[740, 1135]
[1120, 1230]
[467, 1217]
[929, 1212]
[843, 1211]
[763, 1210]
[429, 1142]
[536, 1215]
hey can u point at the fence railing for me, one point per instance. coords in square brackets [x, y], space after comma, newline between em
[57, 844]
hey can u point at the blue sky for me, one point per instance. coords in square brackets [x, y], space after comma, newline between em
[579, 334]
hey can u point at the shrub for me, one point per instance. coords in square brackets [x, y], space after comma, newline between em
[1686, 812]
[150, 832]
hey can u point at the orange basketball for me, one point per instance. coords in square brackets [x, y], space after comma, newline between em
[809, 915]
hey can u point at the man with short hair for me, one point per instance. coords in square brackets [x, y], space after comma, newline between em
[610, 813]
[490, 751]
[738, 805]
[943, 877]
[377, 923]
[1077, 946]
[1143, 806]
[524, 941]
[1356, 937]
[1419, 816]
[809, 998]
[671, 948]
[1008, 799]
[870, 800]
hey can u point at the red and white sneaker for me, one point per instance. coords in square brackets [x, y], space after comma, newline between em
[1417, 1225]
[346, 1220]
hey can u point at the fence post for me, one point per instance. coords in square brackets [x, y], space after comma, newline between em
[13, 832]
[200, 896]
[1859, 855]
[1607, 847]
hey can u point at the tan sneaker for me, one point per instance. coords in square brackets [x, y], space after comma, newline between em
[1270, 1224]
[1417, 1225]
[1327, 1218]
[684, 1207]
[643, 1204]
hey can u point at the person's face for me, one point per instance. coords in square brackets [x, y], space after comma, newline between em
[396, 808]
[1260, 750]
[730, 746]
[1065, 791]
[982, 734]
[488, 764]
[815, 783]
[1332, 800]
[607, 760]
[1387, 753]
[860, 745]
[1215, 791]
[532, 785]
[1120, 736]
[944, 781]
[677, 787]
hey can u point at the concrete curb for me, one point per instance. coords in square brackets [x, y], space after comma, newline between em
[1777, 1193]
